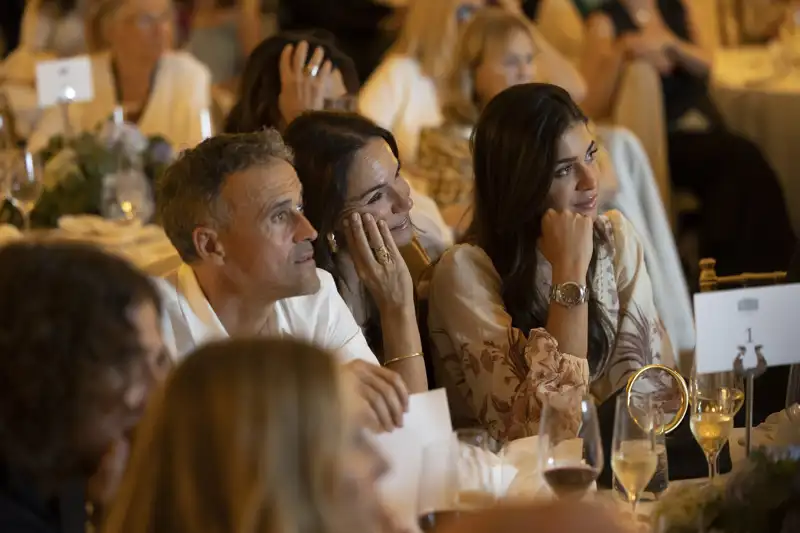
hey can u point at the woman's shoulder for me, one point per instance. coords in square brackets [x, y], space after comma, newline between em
[464, 265]
[396, 67]
[185, 65]
[621, 236]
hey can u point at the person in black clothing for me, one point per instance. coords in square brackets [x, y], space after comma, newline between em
[81, 343]
[743, 220]
[11, 23]
[357, 25]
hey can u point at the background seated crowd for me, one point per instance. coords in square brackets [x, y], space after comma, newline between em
[421, 194]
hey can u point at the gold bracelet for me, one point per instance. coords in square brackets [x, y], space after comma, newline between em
[402, 358]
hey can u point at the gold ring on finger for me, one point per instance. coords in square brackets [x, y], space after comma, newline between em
[382, 255]
[311, 70]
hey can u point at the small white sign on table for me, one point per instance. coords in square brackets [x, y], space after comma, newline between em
[64, 81]
[728, 320]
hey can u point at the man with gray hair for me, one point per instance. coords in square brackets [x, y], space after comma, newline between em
[232, 207]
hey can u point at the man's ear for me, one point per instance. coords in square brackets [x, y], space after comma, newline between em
[208, 246]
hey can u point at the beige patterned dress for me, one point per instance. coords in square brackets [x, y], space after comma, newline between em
[499, 377]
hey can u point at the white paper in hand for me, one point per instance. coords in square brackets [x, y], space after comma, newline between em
[427, 421]
[757, 316]
[61, 79]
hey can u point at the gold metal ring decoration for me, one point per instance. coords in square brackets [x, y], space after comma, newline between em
[382, 255]
[684, 391]
[311, 70]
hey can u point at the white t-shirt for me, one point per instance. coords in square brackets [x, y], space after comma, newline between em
[321, 318]
[401, 99]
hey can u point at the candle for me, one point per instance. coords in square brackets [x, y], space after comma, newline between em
[206, 129]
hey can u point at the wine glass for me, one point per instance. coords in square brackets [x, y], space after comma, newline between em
[133, 195]
[24, 184]
[570, 447]
[479, 469]
[727, 383]
[634, 457]
[458, 475]
[712, 412]
[437, 500]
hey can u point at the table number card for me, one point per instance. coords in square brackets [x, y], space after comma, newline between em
[64, 80]
[727, 321]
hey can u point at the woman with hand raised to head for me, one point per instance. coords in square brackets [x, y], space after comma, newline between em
[356, 197]
[545, 295]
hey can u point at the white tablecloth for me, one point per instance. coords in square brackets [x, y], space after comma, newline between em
[762, 103]
[152, 253]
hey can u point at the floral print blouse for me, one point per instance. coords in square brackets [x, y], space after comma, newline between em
[499, 377]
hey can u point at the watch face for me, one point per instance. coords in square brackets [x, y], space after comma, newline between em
[571, 293]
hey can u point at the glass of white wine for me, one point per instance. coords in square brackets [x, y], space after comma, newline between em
[571, 456]
[712, 413]
[726, 384]
[634, 457]
[25, 185]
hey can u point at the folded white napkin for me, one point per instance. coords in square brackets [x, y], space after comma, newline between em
[98, 230]
[481, 471]
[779, 429]
[97, 225]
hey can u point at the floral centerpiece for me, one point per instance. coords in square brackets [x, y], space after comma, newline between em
[761, 497]
[75, 170]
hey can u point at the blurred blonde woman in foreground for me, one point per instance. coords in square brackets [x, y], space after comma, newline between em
[252, 436]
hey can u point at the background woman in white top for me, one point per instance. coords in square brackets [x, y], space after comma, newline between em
[403, 94]
[162, 91]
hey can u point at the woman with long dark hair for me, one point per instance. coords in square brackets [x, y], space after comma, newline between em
[284, 64]
[544, 296]
[359, 203]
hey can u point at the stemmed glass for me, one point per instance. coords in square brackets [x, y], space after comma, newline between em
[634, 455]
[728, 385]
[712, 412]
[458, 475]
[570, 447]
[24, 183]
[133, 195]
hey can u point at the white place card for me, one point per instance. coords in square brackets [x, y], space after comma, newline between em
[64, 79]
[759, 316]
[427, 421]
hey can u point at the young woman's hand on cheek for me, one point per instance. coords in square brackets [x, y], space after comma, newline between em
[566, 243]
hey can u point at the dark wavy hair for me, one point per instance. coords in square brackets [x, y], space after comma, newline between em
[325, 144]
[64, 321]
[514, 150]
[257, 105]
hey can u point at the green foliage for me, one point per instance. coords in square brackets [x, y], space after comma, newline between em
[76, 185]
[761, 497]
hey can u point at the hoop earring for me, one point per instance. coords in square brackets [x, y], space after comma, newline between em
[332, 244]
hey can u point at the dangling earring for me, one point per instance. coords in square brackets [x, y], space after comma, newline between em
[332, 243]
